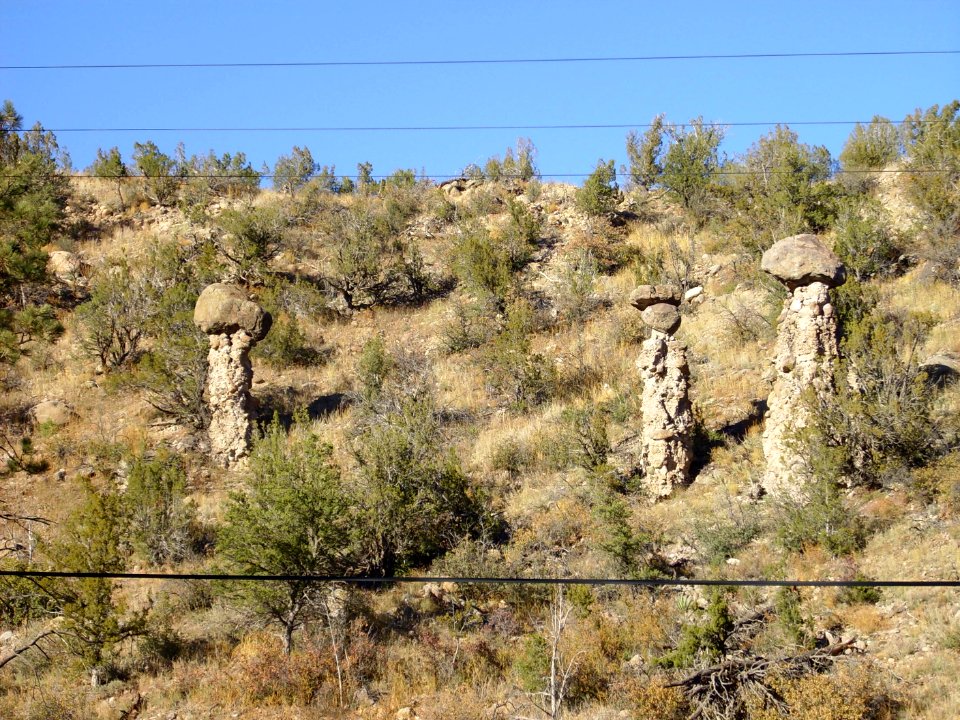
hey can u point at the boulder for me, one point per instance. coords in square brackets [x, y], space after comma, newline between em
[662, 317]
[646, 295]
[801, 260]
[55, 412]
[942, 368]
[63, 265]
[224, 309]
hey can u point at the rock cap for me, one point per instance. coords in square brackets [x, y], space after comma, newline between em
[662, 317]
[224, 309]
[801, 260]
[646, 295]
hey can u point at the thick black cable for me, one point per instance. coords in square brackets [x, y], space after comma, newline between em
[480, 61]
[366, 580]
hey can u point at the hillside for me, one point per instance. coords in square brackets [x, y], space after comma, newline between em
[449, 388]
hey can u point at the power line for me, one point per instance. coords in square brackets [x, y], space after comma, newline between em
[450, 128]
[440, 176]
[481, 61]
[472, 580]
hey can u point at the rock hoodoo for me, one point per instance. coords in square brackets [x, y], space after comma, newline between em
[234, 324]
[667, 432]
[806, 349]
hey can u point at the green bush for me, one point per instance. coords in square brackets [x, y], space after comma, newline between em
[882, 420]
[873, 146]
[250, 237]
[865, 240]
[485, 265]
[294, 517]
[821, 518]
[599, 194]
[159, 183]
[690, 165]
[163, 519]
[860, 595]
[291, 172]
[706, 640]
[113, 321]
[513, 371]
[795, 626]
[519, 164]
[646, 154]
[418, 500]
[783, 190]
[932, 141]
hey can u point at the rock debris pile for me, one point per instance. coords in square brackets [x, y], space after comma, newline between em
[806, 349]
[667, 432]
[234, 325]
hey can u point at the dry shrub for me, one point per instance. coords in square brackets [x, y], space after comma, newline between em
[652, 700]
[605, 245]
[263, 675]
[45, 701]
[852, 692]
[463, 702]
[412, 668]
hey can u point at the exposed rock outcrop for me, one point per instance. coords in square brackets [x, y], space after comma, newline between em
[667, 432]
[805, 352]
[53, 412]
[234, 325]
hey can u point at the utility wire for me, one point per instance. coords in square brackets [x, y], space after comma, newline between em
[472, 580]
[334, 176]
[446, 128]
[481, 61]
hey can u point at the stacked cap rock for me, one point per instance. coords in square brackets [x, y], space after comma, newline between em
[646, 295]
[801, 260]
[658, 306]
[224, 309]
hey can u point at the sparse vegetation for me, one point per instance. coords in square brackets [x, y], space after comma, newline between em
[452, 383]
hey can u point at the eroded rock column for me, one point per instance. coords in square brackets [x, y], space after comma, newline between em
[234, 325]
[667, 431]
[806, 350]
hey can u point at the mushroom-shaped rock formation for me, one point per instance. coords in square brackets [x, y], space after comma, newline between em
[234, 324]
[667, 433]
[806, 349]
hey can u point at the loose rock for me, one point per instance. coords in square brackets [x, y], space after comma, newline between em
[800, 260]
[55, 412]
[662, 317]
[646, 295]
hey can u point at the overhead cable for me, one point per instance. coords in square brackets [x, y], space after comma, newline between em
[480, 61]
[475, 580]
[447, 128]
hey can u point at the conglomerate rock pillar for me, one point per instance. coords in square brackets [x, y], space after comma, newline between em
[667, 432]
[805, 352]
[234, 325]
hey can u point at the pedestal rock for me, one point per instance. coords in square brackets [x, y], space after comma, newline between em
[667, 432]
[805, 353]
[234, 325]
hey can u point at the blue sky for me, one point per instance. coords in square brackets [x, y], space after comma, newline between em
[91, 32]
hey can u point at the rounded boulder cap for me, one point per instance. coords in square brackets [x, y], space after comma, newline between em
[662, 317]
[224, 309]
[646, 295]
[801, 260]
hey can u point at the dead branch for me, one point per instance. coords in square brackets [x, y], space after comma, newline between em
[23, 648]
[717, 690]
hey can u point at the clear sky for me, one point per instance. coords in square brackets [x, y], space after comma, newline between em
[43, 32]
